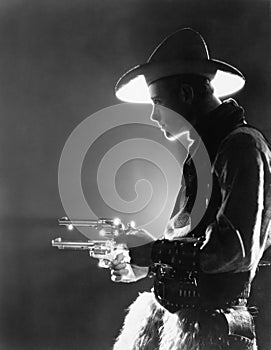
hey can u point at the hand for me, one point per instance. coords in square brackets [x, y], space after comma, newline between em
[140, 244]
[123, 272]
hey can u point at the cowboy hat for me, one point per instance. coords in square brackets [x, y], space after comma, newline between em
[182, 52]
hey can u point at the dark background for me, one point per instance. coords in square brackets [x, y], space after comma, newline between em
[59, 61]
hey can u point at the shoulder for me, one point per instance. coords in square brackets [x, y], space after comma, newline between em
[245, 138]
[245, 147]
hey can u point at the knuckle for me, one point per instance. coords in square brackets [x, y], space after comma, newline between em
[120, 266]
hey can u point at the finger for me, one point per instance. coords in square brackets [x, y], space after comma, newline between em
[115, 278]
[118, 259]
[119, 273]
[120, 266]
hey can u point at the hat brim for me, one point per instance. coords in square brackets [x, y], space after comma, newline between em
[133, 85]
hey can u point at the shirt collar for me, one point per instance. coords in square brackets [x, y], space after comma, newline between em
[219, 123]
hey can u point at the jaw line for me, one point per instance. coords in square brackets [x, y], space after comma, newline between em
[179, 136]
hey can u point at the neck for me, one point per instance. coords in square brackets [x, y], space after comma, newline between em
[207, 106]
[203, 108]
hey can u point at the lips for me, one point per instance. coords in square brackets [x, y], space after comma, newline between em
[162, 126]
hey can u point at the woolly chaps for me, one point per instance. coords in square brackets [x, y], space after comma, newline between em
[148, 326]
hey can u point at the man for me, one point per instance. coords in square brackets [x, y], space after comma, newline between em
[203, 273]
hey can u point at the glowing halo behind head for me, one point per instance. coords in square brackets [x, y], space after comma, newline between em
[226, 84]
[136, 90]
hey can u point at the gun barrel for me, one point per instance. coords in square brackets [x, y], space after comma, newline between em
[85, 223]
[98, 246]
[72, 245]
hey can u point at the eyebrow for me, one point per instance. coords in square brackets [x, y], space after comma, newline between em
[156, 97]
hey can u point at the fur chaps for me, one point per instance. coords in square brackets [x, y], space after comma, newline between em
[141, 325]
[148, 326]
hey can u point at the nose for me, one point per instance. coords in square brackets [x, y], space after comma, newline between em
[155, 115]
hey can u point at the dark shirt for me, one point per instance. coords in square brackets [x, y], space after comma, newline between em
[237, 219]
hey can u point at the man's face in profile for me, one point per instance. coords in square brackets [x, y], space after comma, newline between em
[168, 110]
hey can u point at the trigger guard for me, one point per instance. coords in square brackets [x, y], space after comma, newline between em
[104, 263]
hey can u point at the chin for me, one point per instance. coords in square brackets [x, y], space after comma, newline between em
[169, 136]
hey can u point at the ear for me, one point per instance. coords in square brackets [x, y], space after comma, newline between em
[187, 93]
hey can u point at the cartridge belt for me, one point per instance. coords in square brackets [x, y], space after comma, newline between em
[180, 284]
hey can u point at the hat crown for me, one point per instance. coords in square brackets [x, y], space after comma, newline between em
[183, 45]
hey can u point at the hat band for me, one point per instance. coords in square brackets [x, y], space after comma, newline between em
[158, 70]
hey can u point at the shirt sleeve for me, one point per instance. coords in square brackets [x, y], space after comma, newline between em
[233, 240]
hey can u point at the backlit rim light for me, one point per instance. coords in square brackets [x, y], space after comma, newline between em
[226, 84]
[136, 90]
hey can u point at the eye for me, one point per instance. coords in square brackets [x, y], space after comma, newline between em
[156, 101]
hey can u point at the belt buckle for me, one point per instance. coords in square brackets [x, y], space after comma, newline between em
[163, 269]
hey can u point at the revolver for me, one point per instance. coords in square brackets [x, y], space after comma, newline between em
[106, 227]
[103, 250]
